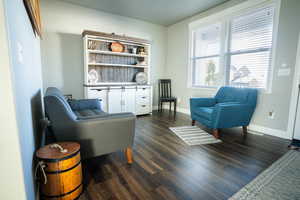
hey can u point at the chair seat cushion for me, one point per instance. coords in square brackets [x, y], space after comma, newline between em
[204, 112]
[89, 113]
[168, 98]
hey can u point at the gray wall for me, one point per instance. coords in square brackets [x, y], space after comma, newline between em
[12, 184]
[62, 45]
[27, 84]
[278, 100]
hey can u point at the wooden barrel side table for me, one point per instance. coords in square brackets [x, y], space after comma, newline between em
[61, 171]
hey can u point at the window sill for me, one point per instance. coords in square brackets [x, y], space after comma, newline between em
[264, 91]
[203, 88]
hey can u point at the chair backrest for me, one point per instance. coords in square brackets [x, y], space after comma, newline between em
[164, 88]
[234, 94]
[56, 106]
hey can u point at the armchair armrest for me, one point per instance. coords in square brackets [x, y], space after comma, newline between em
[202, 102]
[100, 135]
[231, 114]
[83, 104]
[105, 116]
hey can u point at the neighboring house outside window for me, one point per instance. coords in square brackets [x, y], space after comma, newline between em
[235, 50]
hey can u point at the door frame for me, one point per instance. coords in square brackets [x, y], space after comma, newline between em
[294, 95]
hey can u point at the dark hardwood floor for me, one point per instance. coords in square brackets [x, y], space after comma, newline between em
[165, 168]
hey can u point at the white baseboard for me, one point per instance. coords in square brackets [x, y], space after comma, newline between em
[255, 129]
[269, 131]
[178, 109]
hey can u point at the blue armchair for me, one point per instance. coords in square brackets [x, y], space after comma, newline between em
[230, 107]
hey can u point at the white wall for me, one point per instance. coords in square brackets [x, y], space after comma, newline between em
[26, 78]
[278, 100]
[11, 173]
[62, 46]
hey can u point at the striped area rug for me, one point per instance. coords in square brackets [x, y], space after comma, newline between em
[193, 135]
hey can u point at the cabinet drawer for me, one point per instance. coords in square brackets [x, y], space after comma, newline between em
[143, 99]
[142, 109]
[143, 91]
[94, 93]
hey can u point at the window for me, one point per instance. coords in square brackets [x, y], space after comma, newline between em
[236, 51]
[207, 56]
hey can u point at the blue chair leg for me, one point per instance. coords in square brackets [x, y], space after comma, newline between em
[245, 131]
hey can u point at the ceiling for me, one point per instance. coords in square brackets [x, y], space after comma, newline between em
[163, 12]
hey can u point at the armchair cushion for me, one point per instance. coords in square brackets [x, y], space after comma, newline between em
[89, 113]
[233, 94]
[85, 104]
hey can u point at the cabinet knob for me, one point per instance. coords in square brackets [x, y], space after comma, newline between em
[143, 105]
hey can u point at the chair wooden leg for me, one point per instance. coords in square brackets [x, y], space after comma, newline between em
[245, 130]
[216, 133]
[175, 106]
[158, 106]
[170, 106]
[129, 156]
[193, 122]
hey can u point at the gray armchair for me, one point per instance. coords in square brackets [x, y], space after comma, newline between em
[83, 121]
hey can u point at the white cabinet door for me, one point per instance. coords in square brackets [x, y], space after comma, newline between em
[128, 99]
[115, 100]
[99, 93]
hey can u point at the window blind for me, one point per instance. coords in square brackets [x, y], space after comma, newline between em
[250, 48]
[207, 41]
[207, 55]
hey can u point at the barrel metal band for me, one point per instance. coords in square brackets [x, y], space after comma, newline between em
[61, 195]
[62, 171]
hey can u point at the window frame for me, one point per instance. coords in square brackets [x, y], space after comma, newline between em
[224, 18]
[195, 58]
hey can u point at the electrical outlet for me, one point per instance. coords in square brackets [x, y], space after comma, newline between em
[271, 115]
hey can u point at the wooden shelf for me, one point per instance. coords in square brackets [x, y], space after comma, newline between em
[118, 65]
[116, 53]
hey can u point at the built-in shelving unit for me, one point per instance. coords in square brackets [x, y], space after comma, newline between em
[116, 53]
[103, 65]
[109, 74]
[112, 64]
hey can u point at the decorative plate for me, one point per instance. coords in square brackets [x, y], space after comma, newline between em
[116, 47]
[141, 78]
[93, 76]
